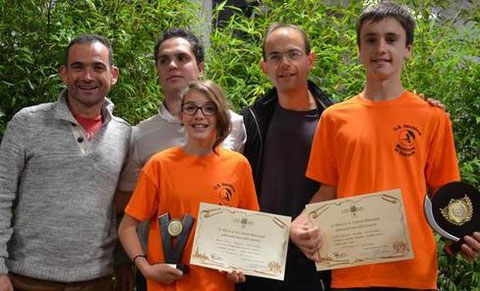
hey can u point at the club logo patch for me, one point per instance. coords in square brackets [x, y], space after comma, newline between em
[407, 137]
[224, 192]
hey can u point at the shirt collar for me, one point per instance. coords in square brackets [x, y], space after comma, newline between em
[63, 112]
[166, 115]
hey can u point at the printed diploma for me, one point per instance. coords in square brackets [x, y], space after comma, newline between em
[229, 238]
[363, 229]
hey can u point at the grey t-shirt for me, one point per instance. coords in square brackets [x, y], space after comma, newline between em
[285, 189]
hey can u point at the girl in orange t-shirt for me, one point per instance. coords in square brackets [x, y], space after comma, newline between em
[176, 180]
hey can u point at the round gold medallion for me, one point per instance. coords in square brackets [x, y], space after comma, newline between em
[175, 227]
[458, 211]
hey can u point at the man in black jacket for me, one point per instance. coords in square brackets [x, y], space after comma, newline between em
[280, 128]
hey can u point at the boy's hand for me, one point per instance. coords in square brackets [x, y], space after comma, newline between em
[306, 236]
[236, 276]
[470, 250]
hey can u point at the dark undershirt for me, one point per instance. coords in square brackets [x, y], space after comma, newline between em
[285, 189]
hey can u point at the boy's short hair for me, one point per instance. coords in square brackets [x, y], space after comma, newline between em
[274, 26]
[196, 46]
[383, 10]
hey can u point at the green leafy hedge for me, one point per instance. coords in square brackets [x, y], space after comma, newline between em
[445, 64]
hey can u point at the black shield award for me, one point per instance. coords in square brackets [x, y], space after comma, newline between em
[174, 234]
[453, 212]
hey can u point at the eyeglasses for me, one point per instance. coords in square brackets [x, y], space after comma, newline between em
[208, 109]
[292, 55]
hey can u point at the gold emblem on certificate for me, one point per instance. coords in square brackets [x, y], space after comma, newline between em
[458, 211]
[363, 229]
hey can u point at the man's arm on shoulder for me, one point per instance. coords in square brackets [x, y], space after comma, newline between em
[435, 103]
[303, 233]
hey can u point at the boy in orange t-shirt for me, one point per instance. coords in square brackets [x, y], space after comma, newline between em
[381, 139]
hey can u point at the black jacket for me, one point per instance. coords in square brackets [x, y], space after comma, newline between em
[257, 119]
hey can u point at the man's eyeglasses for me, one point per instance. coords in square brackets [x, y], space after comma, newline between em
[208, 109]
[291, 55]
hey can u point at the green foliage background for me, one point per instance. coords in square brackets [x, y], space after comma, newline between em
[445, 64]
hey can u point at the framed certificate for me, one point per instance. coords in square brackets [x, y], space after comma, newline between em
[229, 238]
[363, 229]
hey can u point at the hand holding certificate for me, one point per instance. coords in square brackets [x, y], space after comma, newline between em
[363, 229]
[229, 238]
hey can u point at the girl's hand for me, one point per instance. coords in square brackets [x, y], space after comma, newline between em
[161, 273]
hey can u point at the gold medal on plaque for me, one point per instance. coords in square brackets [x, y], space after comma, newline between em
[175, 227]
[174, 235]
[458, 211]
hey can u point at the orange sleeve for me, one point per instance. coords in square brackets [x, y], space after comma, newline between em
[442, 163]
[144, 201]
[248, 194]
[321, 165]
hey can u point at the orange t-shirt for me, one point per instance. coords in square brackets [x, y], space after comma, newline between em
[175, 182]
[362, 146]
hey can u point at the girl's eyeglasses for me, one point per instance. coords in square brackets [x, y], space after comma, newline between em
[208, 109]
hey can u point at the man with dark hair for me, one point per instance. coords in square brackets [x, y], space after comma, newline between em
[179, 58]
[195, 45]
[90, 38]
[280, 128]
[59, 166]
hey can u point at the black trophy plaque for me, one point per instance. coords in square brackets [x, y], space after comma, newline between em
[174, 234]
[453, 212]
